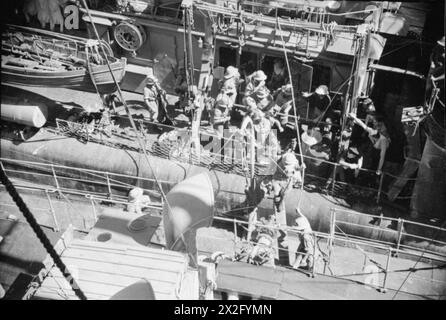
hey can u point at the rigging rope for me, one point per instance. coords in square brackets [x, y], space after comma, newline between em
[132, 122]
[419, 259]
[295, 112]
[41, 235]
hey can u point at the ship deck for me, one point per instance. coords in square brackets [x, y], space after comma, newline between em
[427, 283]
[349, 267]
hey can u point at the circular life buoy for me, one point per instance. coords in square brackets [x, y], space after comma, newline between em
[129, 36]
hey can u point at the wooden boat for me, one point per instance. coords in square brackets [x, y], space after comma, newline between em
[30, 57]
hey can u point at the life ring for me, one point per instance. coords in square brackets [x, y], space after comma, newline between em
[129, 36]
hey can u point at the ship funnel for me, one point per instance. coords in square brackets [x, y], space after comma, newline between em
[190, 207]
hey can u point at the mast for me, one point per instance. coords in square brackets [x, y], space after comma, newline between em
[205, 78]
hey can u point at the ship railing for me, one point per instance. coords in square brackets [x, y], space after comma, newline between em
[370, 185]
[330, 238]
[374, 272]
[227, 154]
[109, 181]
[367, 185]
[400, 233]
[114, 185]
[81, 222]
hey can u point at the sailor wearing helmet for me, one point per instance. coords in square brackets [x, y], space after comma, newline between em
[319, 100]
[232, 74]
[220, 114]
[289, 168]
[230, 84]
[151, 97]
[262, 125]
[286, 176]
[263, 99]
[256, 81]
[284, 103]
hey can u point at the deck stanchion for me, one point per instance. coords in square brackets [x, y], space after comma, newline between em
[400, 234]
[53, 212]
[378, 197]
[94, 210]
[56, 181]
[334, 178]
[332, 233]
[313, 272]
[108, 186]
[235, 230]
[389, 255]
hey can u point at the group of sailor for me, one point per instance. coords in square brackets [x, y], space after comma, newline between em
[267, 110]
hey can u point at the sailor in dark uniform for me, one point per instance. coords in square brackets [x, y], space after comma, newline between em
[279, 76]
[349, 165]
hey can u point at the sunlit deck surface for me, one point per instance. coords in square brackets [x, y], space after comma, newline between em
[115, 221]
[103, 269]
[25, 256]
[285, 284]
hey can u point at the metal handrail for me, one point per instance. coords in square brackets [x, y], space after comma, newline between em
[400, 233]
[390, 219]
[82, 169]
[330, 239]
[212, 135]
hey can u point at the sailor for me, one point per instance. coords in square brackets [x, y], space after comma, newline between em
[320, 153]
[251, 105]
[255, 193]
[220, 114]
[326, 128]
[349, 165]
[380, 139]
[306, 248]
[191, 102]
[111, 101]
[368, 111]
[263, 99]
[180, 87]
[284, 103]
[292, 146]
[265, 103]
[137, 200]
[286, 176]
[151, 97]
[289, 168]
[278, 77]
[230, 83]
[255, 81]
[262, 126]
[319, 101]
[229, 90]
[263, 251]
[436, 71]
